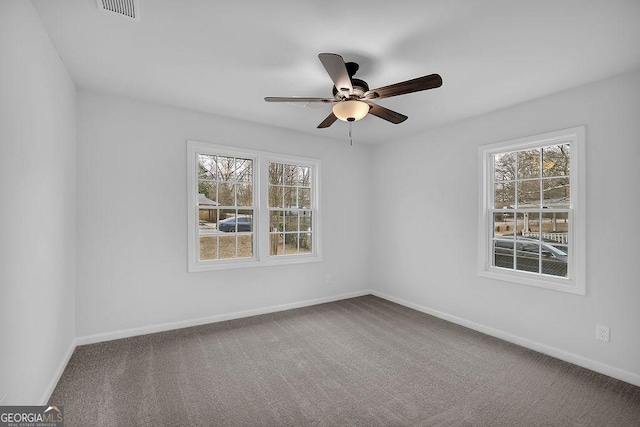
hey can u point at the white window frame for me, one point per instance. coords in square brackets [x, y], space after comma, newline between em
[574, 283]
[261, 256]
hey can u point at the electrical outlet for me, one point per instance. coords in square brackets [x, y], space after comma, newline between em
[329, 279]
[602, 333]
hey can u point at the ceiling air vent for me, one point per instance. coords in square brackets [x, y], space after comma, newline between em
[126, 8]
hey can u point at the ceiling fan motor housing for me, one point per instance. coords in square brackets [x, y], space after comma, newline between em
[359, 89]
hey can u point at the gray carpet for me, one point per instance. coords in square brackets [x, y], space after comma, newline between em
[362, 361]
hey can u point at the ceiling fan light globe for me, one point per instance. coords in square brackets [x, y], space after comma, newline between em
[350, 110]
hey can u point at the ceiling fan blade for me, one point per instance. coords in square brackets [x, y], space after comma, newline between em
[328, 121]
[386, 114]
[431, 81]
[296, 99]
[337, 70]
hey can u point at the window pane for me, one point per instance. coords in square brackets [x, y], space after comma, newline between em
[554, 259]
[305, 220]
[305, 243]
[290, 175]
[502, 224]
[244, 220]
[555, 227]
[290, 197]
[244, 170]
[206, 166]
[245, 246]
[290, 243]
[529, 194]
[503, 252]
[290, 221]
[529, 164]
[277, 244]
[244, 194]
[207, 220]
[527, 256]
[304, 176]
[206, 193]
[304, 198]
[227, 248]
[226, 196]
[275, 196]
[504, 194]
[276, 171]
[208, 248]
[556, 192]
[276, 221]
[504, 166]
[555, 160]
[226, 166]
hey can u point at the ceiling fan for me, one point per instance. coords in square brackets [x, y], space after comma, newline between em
[353, 100]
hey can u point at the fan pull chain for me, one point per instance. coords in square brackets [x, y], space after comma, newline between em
[350, 139]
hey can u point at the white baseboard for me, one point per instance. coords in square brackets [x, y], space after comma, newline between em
[585, 362]
[150, 329]
[54, 381]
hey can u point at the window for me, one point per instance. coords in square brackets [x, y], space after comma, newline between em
[225, 207]
[250, 208]
[531, 228]
[290, 214]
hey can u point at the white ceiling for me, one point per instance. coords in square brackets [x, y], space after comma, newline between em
[225, 56]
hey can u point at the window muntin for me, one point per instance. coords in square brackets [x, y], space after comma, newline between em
[239, 216]
[531, 228]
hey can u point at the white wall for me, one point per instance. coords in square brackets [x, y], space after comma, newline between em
[38, 207]
[427, 253]
[132, 219]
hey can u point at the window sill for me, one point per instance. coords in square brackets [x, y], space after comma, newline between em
[253, 262]
[559, 284]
